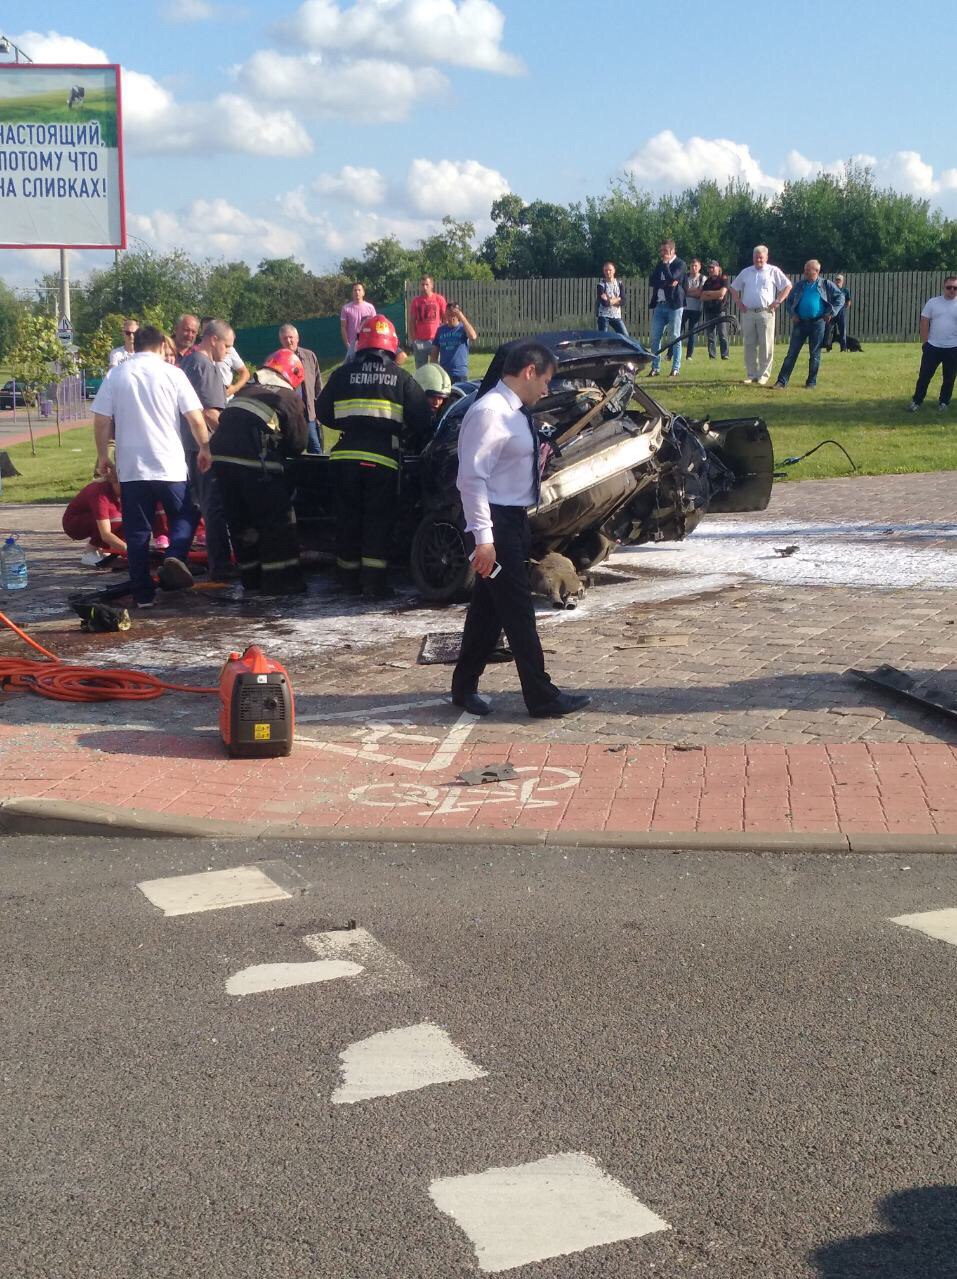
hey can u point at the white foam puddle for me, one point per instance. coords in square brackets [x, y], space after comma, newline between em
[829, 553]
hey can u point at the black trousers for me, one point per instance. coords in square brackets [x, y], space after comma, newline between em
[365, 520]
[711, 311]
[262, 526]
[690, 320]
[204, 491]
[932, 357]
[504, 603]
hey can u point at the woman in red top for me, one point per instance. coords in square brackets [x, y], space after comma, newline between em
[95, 515]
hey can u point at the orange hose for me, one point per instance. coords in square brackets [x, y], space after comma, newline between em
[65, 682]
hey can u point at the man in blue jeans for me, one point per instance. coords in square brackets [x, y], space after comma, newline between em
[139, 405]
[813, 303]
[667, 306]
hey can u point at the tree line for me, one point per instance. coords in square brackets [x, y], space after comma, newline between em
[845, 220]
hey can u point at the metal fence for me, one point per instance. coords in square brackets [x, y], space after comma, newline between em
[885, 305]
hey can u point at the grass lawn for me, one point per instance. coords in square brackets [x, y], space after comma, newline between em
[860, 400]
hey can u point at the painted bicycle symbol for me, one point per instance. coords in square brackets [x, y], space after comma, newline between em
[528, 791]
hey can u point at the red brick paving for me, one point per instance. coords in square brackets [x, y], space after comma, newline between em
[874, 788]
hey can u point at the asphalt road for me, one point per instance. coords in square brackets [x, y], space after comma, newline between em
[747, 1045]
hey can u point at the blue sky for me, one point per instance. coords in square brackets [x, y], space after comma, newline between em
[256, 130]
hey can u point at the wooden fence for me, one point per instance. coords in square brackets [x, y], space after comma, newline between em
[885, 305]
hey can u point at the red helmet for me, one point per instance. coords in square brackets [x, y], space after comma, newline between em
[377, 334]
[288, 365]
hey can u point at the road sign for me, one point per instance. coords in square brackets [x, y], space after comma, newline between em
[64, 330]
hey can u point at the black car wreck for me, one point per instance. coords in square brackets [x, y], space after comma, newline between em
[620, 469]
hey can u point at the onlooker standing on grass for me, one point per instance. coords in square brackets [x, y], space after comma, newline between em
[201, 368]
[838, 326]
[667, 307]
[812, 304]
[451, 346]
[351, 317]
[714, 306]
[140, 405]
[426, 313]
[609, 301]
[121, 353]
[759, 290]
[938, 334]
[311, 385]
[694, 282]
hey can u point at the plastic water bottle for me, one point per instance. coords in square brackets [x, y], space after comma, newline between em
[13, 565]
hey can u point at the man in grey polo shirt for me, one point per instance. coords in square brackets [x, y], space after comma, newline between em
[200, 367]
[759, 291]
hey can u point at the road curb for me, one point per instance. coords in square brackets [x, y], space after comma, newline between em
[62, 817]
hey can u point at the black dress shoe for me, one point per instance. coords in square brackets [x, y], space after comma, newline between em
[472, 703]
[564, 704]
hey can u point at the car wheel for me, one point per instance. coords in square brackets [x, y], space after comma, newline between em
[439, 561]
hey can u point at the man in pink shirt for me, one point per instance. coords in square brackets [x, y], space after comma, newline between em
[351, 317]
[426, 313]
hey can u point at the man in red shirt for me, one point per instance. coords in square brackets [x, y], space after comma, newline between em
[426, 313]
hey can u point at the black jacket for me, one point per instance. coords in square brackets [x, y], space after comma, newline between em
[661, 278]
[261, 426]
[380, 409]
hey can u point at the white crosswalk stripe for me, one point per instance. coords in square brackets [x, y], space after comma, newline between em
[940, 924]
[382, 970]
[558, 1205]
[212, 890]
[403, 1060]
[258, 977]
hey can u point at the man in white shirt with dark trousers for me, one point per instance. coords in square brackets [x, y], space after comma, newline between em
[498, 480]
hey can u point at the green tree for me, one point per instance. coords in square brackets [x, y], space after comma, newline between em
[95, 347]
[9, 315]
[450, 255]
[171, 283]
[39, 360]
[499, 249]
[383, 269]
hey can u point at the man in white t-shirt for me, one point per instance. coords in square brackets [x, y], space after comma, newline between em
[139, 405]
[119, 354]
[759, 291]
[938, 333]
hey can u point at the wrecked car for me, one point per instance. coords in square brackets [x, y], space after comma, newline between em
[620, 469]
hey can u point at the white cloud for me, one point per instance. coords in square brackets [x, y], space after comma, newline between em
[904, 171]
[153, 121]
[360, 186]
[214, 228]
[459, 188]
[466, 33]
[368, 91]
[186, 10]
[667, 163]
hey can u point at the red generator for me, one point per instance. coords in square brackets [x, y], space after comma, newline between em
[256, 712]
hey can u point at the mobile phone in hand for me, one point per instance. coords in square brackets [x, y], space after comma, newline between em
[496, 569]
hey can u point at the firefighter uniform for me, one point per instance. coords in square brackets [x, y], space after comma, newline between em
[380, 411]
[262, 426]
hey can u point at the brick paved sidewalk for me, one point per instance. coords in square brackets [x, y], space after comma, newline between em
[394, 779]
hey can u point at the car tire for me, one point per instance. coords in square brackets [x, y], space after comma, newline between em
[439, 561]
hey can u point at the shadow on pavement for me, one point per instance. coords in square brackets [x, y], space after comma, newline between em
[921, 1242]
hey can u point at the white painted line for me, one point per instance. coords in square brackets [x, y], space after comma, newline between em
[212, 890]
[373, 745]
[382, 970]
[282, 976]
[401, 1060]
[454, 741]
[939, 924]
[556, 1206]
[372, 710]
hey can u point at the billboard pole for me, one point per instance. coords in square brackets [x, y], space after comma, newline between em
[64, 286]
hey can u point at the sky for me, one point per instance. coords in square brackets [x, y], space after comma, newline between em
[309, 127]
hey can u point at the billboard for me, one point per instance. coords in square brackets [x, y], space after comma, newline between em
[61, 157]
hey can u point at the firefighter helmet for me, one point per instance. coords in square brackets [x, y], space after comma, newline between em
[377, 334]
[434, 380]
[288, 365]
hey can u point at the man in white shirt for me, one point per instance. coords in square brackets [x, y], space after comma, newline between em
[938, 334]
[121, 353]
[139, 405]
[498, 480]
[759, 291]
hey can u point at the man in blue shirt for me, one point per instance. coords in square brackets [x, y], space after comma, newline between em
[451, 343]
[813, 303]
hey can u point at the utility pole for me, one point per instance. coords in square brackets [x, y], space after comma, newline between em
[65, 286]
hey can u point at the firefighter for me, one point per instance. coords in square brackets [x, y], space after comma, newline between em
[437, 385]
[263, 425]
[380, 411]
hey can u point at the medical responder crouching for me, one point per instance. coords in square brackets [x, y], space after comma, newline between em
[262, 426]
[381, 412]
